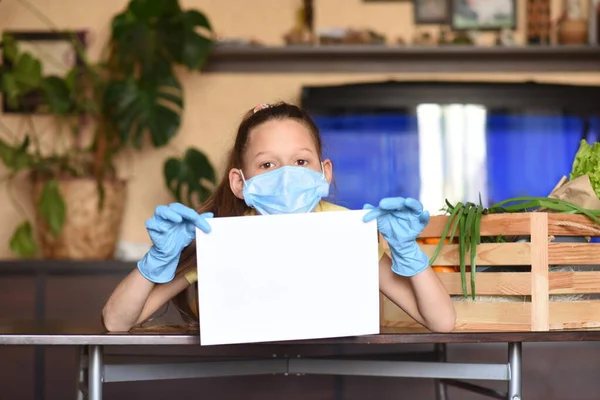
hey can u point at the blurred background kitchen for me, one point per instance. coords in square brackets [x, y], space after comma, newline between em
[109, 111]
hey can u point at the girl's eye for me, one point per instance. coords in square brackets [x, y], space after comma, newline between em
[302, 163]
[266, 165]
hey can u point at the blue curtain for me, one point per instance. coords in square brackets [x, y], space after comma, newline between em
[374, 156]
[527, 155]
[594, 131]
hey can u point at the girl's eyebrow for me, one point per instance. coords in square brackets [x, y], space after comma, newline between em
[261, 153]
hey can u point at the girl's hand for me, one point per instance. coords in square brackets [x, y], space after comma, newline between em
[171, 229]
[400, 221]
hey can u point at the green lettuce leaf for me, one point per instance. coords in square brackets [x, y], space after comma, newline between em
[587, 162]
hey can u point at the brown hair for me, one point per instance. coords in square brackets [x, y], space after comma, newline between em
[222, 202]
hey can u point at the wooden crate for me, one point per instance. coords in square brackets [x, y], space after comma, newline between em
[539, 314]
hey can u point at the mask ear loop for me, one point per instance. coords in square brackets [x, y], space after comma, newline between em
[245, 183]
[323, 169]
[243, 178]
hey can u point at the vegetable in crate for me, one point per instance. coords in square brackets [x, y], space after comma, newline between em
[441, 269]
[587, 162]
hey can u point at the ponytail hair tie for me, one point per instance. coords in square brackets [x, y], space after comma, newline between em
[261, 107]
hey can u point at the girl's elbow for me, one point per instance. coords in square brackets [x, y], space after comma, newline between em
[112, 323]
[444, 325]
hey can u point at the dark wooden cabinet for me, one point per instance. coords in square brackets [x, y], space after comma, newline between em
[50, 292]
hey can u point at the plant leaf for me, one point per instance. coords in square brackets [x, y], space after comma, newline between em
[195, 50]
[9, 47]
[137, 109]
[57, 95]
[21, 78]
[190, 174]
[147, 10]
[22, 243]
[15, 157]
[27, 71]
[10, 87]
[195, 47]
[152, 34]
[148, 40]
[52, 207]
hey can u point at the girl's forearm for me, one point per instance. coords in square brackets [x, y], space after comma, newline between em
[125, 305]
[421, 296]
[434, 304]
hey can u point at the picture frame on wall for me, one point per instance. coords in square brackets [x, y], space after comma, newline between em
[483, 15]
[431, 11]
[57, 54]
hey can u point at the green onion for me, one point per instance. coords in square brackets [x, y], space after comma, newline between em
[475, 240]
[461, 254]
[469, 225]
[455, 210]
[545, 202]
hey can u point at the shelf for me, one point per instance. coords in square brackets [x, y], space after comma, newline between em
[388, 59]
[65, 267]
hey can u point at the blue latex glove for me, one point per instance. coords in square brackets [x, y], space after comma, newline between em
[400, 221]
[171, 229]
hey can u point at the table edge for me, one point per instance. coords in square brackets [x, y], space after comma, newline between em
[124, 339]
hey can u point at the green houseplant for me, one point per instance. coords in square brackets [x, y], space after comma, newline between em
[132, 98]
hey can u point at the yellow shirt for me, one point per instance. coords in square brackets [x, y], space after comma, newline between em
[323, 206]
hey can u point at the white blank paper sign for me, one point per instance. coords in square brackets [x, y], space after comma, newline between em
[288, 277]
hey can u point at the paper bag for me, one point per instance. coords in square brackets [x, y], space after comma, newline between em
[579, 191]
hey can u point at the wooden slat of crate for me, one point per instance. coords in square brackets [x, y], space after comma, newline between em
[519, 283]
[574, 282]
[471, 316]
[540, 313]
[574, 253]
[574, 314]
[490, 283]
[518, 254]
[491, 225]
[490, 316]
[507, 316]
[518, 224]
[487, 254]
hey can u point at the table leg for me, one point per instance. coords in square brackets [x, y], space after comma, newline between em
[95, 369]
[514, 361]
[81, 373]
[440, 385]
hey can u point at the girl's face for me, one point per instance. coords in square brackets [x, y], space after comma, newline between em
[275, 144]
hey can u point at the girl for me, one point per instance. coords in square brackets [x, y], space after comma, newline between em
[276, 166]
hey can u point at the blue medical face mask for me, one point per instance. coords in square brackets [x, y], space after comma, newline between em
[286, 190]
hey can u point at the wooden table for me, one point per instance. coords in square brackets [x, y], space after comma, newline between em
[98, 368]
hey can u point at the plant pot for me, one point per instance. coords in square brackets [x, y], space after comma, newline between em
[88, 233]
[573, 32]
